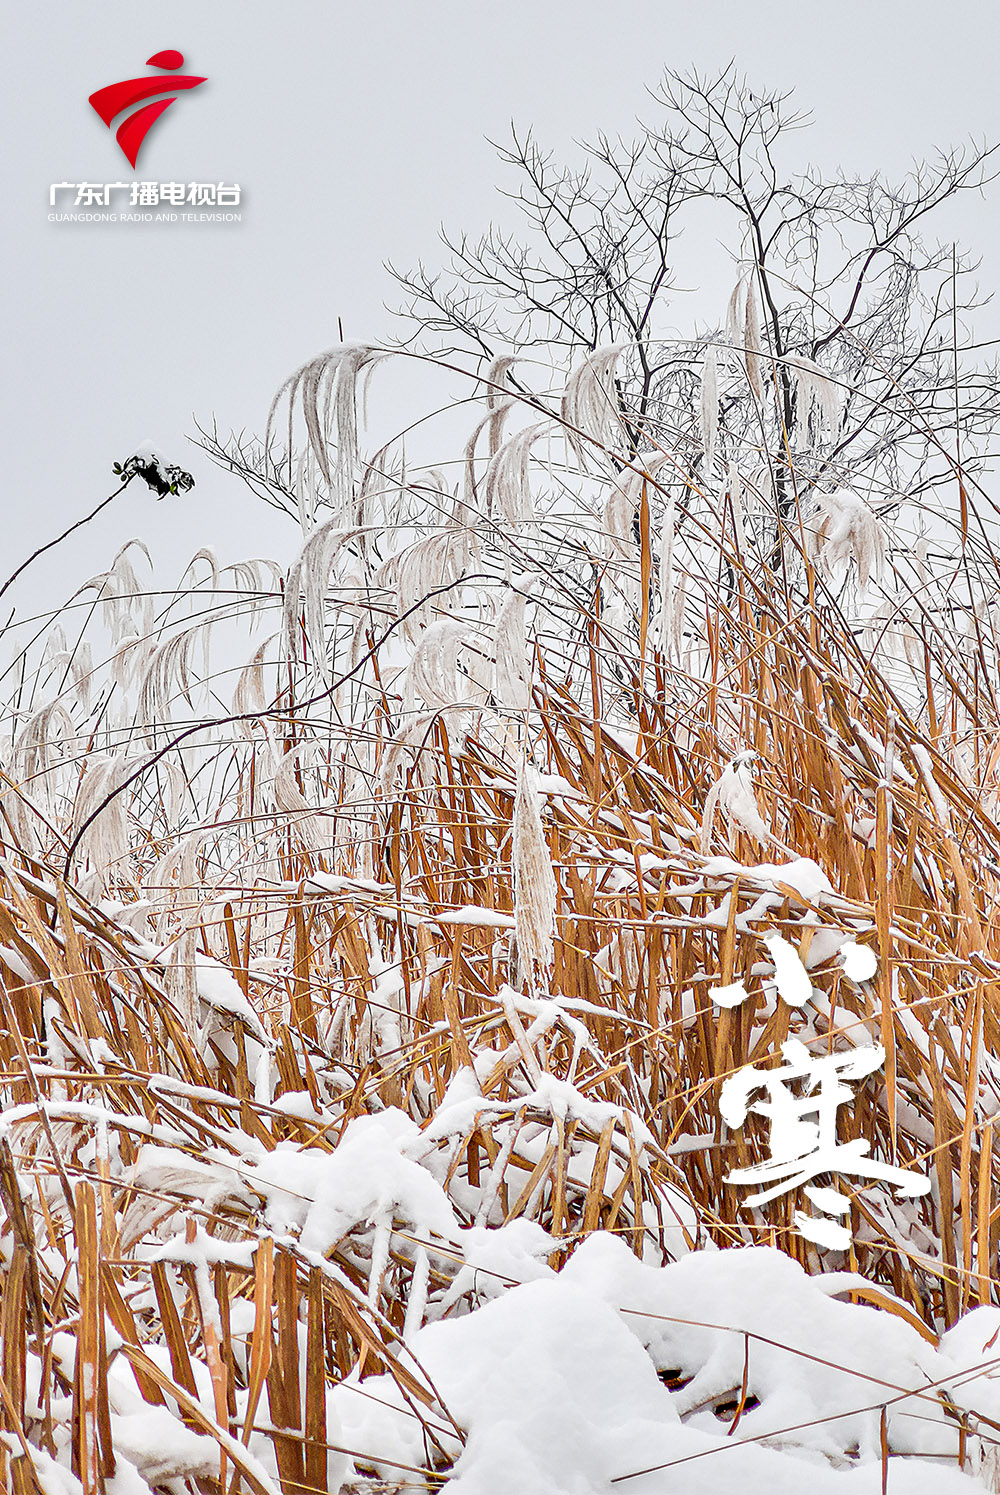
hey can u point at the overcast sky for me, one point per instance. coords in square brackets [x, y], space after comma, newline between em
[354, 131]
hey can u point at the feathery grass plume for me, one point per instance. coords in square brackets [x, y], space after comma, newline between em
[250, 693]
[41, 749]
[511, 647]
[206, 554]
[306, 585]
[312, 830]
[736, 314]
[416, 734]
[819, 401]
[130, 661]
[81, 673]
[493, 423]
[590, 406]
[708, 407]
[169, 671]
[415, 574]
[494, 379]
[668, 621]
[734, 489]
[328, 389]
[126, 603]
[842, 529]
[432, 673]
[257, 574]
[535, 891]
[625, 496]
[105, 844]
[498, 402]
[74, 665]
[752, 343]
[306, 490]
[507, 484]
[733, 794]
[618, 522]
[169, 886]
[381, 500]
[55, 652]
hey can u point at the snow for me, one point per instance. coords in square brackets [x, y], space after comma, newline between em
[486, 918]
[327, 882]
[160, 1447]
[555, 1384]
[218, 987]
[923, 759]
[554, 1377]
[368, 1178]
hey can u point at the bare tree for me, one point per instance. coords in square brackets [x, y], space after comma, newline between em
[854, 361]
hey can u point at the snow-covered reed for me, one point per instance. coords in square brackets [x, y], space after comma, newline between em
[388, 960]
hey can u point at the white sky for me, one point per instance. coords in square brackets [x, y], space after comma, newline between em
[354, 131]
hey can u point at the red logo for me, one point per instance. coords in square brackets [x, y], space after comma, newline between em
[109, 102]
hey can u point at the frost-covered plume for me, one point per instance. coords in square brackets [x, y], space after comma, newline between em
[188, 584]
[842, 529]
[311, 830]
[671, 597]
[130, 661]
[511, 652]
[250, 694]
[19, 814]
[55, 652]
[306, 489]
[733, 794]
[709, 407]
[384, 496]
[40, 751]
[625, 497]
[75, 665]
[734, 487]
[819, 401]
[493, 423]
[618, 522]
[432, 675]
[498, 407]
[105, 843]
[736, 314]
[743, 325]
[413, 735]
[81, 674]
[418, 575]
[329, 389]
[126, 607]
[171, 884]
[306, 587]
[169, 671]
[534, 879]
[752, 341]
[494, 379]
[507, 486]
[590, 405]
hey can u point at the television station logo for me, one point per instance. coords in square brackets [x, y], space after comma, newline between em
[142, 201]
[109, 102]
